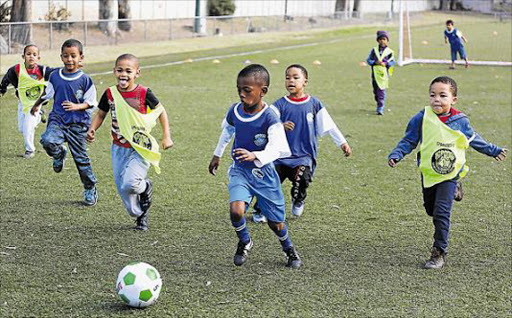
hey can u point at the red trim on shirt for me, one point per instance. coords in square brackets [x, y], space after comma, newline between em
[452, 112]
[35, 71]
[298, 99]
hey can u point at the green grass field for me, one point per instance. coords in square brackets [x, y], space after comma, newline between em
[363, 237]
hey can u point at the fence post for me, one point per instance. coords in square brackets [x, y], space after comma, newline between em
[145, 30]
[170, 29]
[51, 35]
[85, 33]
[232, 25]
[10, 38]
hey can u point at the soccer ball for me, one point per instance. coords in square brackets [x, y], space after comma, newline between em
[138, 284]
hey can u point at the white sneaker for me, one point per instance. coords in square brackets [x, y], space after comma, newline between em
[297, 208]
[258, 218]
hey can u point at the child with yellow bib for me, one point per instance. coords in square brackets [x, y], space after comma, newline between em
[29, 80]
[444, 134]
[382, 61]
[134, 110]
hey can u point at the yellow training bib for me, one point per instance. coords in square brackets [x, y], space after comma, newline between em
[443, 151]
[381, 73]
[136, 128]
[29, 89]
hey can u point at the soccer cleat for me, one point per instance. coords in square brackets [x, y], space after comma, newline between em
[459, 192]
[437, 259]
[146, 197]
[292, 258]
[257, 217]
[297, 208]
[242, 251]
[28, 155]
[142, 221]
[380, 111]
[90, 196]
[58, 163]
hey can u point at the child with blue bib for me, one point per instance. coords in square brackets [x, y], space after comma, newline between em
[455, 37]
[259, 139]
[134, 110]
[382, 60]
[444, 134]
[74, 96]
[304, 119]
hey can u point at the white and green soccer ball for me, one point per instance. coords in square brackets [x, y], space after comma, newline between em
[139, 284]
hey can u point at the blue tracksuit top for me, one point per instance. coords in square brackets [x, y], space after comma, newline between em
[458, 122]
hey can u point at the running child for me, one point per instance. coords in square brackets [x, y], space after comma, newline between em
[134, 111]
[382, 61]
[29, 80]
[444, 134]
[74, 96]
[455, 37]
[259, 139]
[304, 119]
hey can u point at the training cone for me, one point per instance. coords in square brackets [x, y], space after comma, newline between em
[189, 60]
[247, 62]
[362, 63]
[495, 33]
[317, 62]
[424, 42]
[216, 61]
[274, 61]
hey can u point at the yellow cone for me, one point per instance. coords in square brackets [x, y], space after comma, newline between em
[247, 62]
[274, 61]
[495, 33]
[362, 63]
[424, 42]
[189, 60]
[216, 61]
[317, 62]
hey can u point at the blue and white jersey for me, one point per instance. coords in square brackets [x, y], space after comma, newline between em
[454, 37]
[77, 88]
[311, 121]
[261, 133]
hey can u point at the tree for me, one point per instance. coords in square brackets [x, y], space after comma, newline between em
[124, 13]
[107, 12]
[21, 10]
[340, 5]
[220, 7]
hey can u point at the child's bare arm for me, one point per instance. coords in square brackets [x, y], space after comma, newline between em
[214, 164]
[96, 123]
[38, 103]
[464, 39]
[445, 40]
[166, 132]
[72, 107]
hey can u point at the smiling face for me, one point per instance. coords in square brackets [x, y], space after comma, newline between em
[441, 98]
[71, 58]
[295, 82]
[126, 71]
[383, 41]
[251, 90]
[31, 56]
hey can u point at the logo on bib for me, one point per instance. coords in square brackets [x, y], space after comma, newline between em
[257, 173]
[443, 161]
[310, 117]
[260, 140]
[79, 94]
[33, 93]
[142, 140]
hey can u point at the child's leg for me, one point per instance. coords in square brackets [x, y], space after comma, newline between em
[75, 136]
[237, 216]
[29, 128]
[281, 230]
[300, 183]
[52, 140]
[453, 52]
[380, 97]
[21, 117]
[239, 197]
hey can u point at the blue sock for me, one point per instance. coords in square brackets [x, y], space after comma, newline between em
[241, 230]
[283, 238]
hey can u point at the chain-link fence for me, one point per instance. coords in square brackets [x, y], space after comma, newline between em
[50, 35]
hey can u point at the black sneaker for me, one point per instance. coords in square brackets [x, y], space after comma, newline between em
[146, 197]
[58, 163]
[459, 192]
[142, 222]
[292, 258]
[437, 259]
[242, 251]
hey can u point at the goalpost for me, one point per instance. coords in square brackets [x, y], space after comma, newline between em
[489, 38]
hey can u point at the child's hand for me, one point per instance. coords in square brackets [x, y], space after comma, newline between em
[502, 156]
[70, 107]
[166, 143]
[91, 134]
[392, 163]
[243, 155]
[288, 125]
[382, 63]
[34, 110]
[346, 149]
[214, 164]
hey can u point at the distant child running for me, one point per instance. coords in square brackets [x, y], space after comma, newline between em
[382, 61]
[259, 140]
[74, 97]
[29, 79]
[455, 37]
[304, 119]
[444, 134]
[135, 110]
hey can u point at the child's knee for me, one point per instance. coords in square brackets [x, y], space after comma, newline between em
[237, 210]
[132, 186]
[276, 226]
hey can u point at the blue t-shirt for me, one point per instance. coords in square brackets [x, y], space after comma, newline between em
[251, 130]
[303, 138]
[454, 37]
[74, 87]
